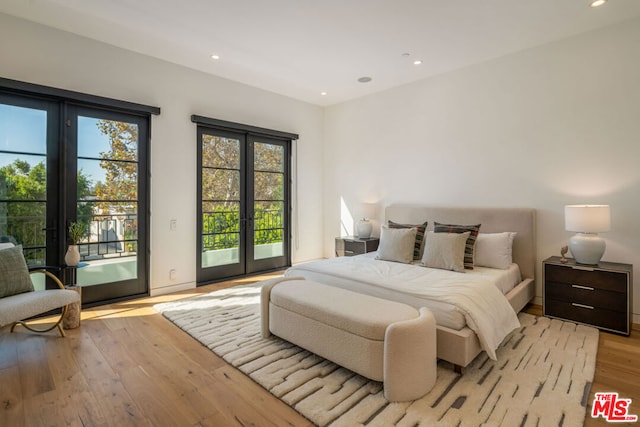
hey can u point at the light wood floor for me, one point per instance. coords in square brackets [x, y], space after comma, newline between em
[128, 366]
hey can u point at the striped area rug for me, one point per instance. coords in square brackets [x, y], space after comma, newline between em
[542, 377]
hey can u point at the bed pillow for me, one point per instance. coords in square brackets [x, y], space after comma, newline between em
[396, 244]
[494, 250]
[445, 250]
[14, 274]
[471, 240]
[419, 244]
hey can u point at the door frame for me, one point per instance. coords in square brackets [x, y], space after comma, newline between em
[63, 99]
[250, 134]
[123, 289]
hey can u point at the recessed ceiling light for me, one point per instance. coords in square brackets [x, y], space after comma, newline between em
[596, 3]
[323, 93]
[214, 56]
[417, 62]
[364, 79]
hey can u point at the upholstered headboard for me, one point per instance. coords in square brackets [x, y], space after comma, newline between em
[493, 220]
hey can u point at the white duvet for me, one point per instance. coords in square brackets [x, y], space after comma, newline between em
[486, 310]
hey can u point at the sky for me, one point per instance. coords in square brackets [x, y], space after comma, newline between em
[23, 130]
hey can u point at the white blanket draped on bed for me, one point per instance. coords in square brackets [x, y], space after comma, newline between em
[485, 308]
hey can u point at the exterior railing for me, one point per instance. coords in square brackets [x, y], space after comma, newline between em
[221, 229]
[108, 236]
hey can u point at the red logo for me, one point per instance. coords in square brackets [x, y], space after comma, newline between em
[613, 409]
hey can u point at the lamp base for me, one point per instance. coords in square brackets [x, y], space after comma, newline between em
[587, 248]
[364, 229]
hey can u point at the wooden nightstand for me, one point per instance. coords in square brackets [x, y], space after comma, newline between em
[599, 295]
[349, 246]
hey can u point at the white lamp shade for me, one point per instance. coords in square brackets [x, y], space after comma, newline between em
[368, 210]
[587, 218]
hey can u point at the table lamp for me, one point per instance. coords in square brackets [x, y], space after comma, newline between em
[364, 226]
[587, 221]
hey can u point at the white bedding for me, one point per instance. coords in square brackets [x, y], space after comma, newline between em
[474, 298]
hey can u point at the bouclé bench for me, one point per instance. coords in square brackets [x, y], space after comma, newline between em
[379, 339]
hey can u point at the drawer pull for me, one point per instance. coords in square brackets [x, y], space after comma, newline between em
[575, 304]
[586, 288]
[349, 252]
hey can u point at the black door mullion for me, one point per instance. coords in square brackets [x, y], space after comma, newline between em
[249, 205]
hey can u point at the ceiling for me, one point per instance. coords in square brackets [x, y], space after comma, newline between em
[301, 48]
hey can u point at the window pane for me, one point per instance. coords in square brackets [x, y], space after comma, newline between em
[23, 130]
[220, 152]
[220, 233]
[107, 180]
[220, 184]
[268, 157]
[107, 139]
[268, 229]
[22, 223]
[269, 186]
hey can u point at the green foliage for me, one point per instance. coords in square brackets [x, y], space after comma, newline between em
[77, 231]
[221, 227]
[26, 188]
[221, 192]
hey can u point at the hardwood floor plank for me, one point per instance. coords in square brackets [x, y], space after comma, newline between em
[11, 403]
[35, 375]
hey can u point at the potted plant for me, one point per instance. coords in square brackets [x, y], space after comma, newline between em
[77, 230]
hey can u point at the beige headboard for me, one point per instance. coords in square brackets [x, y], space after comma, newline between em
[493, 220]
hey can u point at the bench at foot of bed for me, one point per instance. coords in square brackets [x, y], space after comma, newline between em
[379, 339]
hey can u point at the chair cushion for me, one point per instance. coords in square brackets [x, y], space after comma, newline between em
[14, 274]
[23, 306]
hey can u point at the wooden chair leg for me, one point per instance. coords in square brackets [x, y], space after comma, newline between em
[58, 325]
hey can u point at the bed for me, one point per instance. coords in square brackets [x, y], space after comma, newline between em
[465, 325]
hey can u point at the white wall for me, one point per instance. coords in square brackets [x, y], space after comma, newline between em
[550, 126]
[37, 54]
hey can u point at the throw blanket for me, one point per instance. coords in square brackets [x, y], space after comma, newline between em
[486, 310]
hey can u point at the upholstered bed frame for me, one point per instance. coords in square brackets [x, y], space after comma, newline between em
[461, 347]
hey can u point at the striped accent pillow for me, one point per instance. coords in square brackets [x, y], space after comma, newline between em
[418, 247]
[471, 241]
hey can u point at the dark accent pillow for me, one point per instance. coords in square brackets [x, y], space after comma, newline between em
[471, 241]
[419, 245]
[14, 274]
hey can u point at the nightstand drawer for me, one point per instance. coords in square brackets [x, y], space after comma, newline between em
[588, 277]
[607, 319]
[350, 246]
[354, 248]
[613, 301]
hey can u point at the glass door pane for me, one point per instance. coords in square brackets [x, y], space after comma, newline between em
[106, 181]
[222, 225]
[27, 132]
[107, 199]
[269, 204]
[268, 200]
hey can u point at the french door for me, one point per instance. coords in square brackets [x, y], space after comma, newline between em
[244, 209]
[61, 162]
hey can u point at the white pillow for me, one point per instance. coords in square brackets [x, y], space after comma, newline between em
[445, 250]
[494, 250]
[396, 244]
